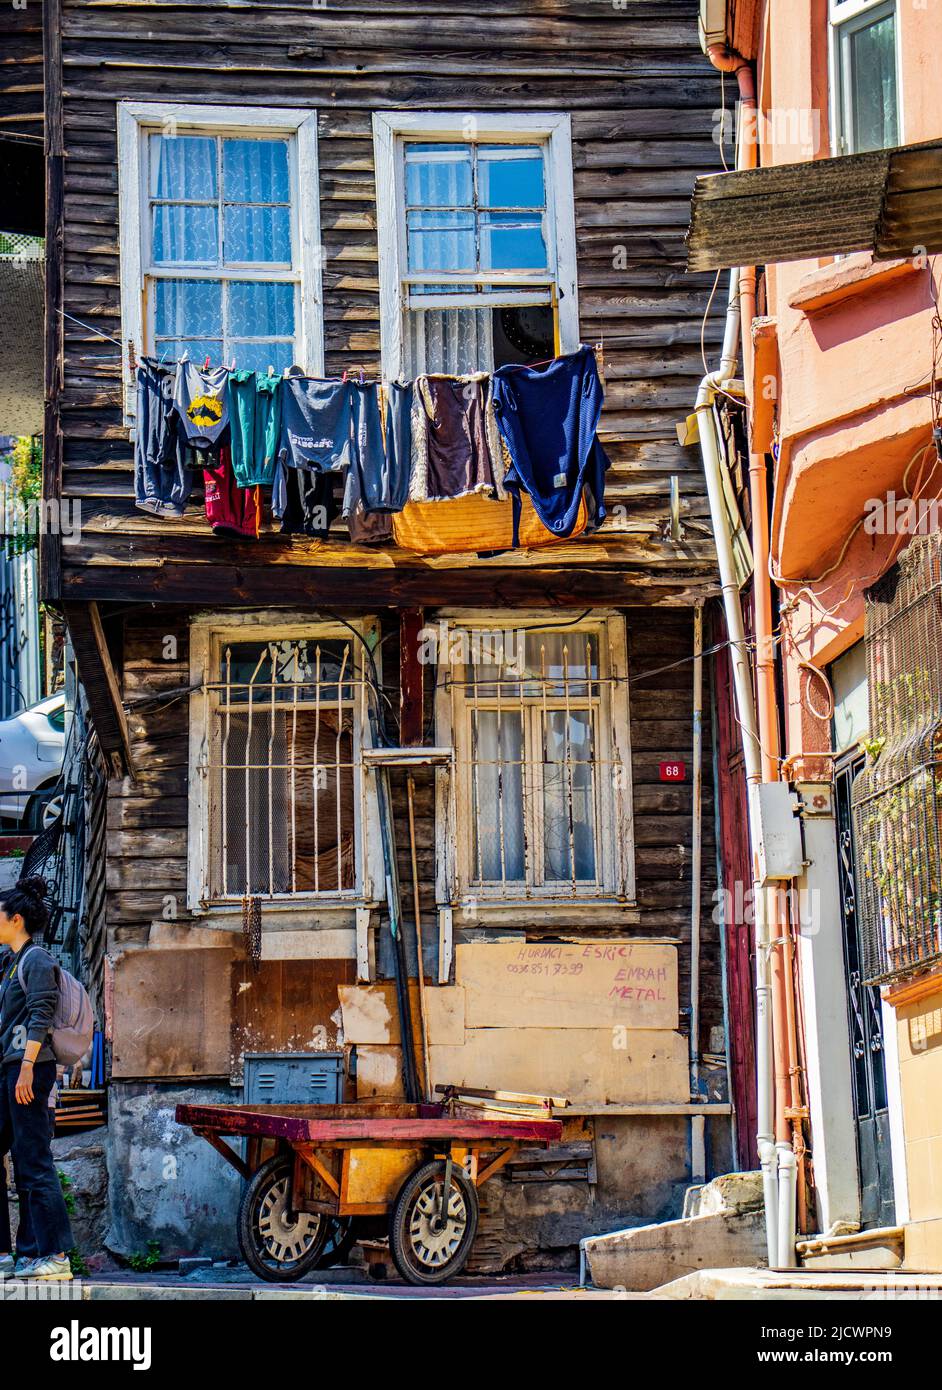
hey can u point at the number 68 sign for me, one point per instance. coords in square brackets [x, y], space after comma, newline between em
[673, 772]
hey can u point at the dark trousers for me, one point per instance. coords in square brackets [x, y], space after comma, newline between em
[25, 1134]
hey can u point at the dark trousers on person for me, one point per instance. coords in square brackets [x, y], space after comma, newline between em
[25, 1134]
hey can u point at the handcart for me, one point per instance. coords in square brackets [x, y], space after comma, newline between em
[313, 1171]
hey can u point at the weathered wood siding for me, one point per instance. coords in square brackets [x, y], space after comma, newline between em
[642, 100]
[147, 818]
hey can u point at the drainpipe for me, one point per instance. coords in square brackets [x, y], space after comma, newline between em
[775, 1165]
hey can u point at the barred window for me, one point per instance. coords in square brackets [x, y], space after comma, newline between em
[280, 767]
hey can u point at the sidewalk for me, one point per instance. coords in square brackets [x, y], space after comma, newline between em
[340, 1285]
[798, 1285]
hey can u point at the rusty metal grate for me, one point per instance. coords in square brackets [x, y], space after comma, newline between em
[284, 768]
[897, 799]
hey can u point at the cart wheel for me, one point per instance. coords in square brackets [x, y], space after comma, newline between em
[276, 1242]
[341, 1238]
[426, 1248]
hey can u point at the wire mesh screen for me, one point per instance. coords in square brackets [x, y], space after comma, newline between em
[283, 764]
[897, 801]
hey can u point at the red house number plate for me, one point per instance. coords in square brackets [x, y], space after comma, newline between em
[673, 772]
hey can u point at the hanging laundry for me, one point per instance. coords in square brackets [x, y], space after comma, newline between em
[304, 500]
[374, 475]
[230, 510]
[255, 411]
[201, 397]
[455, 441]
[365, 528]
[163, 464]
[475, 523]
[548, 418]
[317, 424]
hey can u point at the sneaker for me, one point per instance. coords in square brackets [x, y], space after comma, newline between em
[7, 1266]
[22, 1265]
[49, 1267]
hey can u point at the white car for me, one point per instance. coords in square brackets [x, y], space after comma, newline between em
[31, 752]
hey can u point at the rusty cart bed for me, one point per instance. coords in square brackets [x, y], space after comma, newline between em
[313, 1171]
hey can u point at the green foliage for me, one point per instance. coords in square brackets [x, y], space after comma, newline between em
[24, 488]
[144, 1263]
[79, 1268]
[67, 1192]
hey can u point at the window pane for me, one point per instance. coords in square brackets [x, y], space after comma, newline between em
[568, 822]
[562, 660]
[510, 176]
[497, 790]
[183, 167]
[512, 241]
[188, 308]
[438, 176]
[454, 341]
[260, 309]
[255, 171]
[873, 85]
[257, 234]
[312, 668]
[197, 349]
[185, 235]
[283, 798]
[441, 241]
[258, 357]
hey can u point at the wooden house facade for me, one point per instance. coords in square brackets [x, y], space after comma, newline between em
[243, 689]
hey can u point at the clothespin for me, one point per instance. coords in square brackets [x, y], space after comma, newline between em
[361, 376]
[599, 351]
[271, 370]
[344, 378]
[206, 363]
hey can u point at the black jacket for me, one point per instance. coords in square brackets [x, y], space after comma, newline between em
[29, 989]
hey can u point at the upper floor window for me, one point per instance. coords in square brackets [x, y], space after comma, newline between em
[217, 244]
[864, 66]
[477, 240]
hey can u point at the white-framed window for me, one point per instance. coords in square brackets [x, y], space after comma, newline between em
[864, 62]
[538, 803]
[477, 243]
[279, 805]
[220, 234]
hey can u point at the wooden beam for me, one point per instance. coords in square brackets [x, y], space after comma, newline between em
[411, 673]
[50, 536]
[100, 683]
[365, 590]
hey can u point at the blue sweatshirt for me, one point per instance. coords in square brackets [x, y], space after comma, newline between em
[548, 418]
[29, 989]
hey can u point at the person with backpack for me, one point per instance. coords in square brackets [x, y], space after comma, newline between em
[29, 996]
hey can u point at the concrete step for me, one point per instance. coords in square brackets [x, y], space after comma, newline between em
[727, 1227]
[880, 1248]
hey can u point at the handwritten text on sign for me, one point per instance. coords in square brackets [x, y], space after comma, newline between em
[591, 984]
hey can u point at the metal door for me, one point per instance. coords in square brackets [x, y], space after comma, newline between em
[868, 1060]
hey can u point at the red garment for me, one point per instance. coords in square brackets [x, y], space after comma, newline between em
[231, 510]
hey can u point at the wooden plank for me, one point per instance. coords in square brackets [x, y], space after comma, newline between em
[171, 1013]
[100, 684]
[536, 985]
[380, 1129]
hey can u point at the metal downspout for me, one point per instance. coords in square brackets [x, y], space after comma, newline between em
[772, 1185]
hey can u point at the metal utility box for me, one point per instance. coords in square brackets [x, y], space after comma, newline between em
[293, 1078]
[781, 854]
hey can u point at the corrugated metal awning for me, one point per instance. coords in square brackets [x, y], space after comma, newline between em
[887, 201]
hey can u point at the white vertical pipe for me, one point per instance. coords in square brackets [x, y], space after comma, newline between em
[746, 715]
